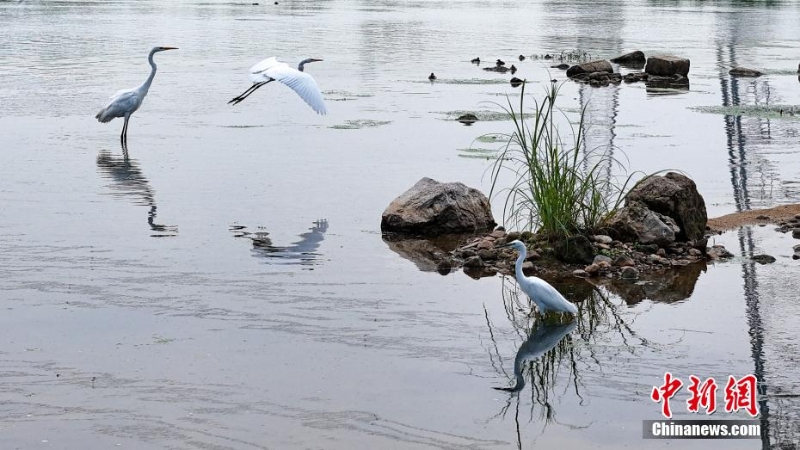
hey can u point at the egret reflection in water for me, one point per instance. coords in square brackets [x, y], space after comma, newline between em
[127, 180]
[544, 339]
[303, 251]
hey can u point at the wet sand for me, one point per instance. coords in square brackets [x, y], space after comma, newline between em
[774, 215]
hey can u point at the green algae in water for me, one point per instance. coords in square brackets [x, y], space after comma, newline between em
[478, 153]
[469, 81]
[341, 96]
[485, 115]
[789, 112]
[492, 138]
[358, 124]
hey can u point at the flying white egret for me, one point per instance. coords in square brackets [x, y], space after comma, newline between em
[127, 101]
[546, 297]
[302, 83]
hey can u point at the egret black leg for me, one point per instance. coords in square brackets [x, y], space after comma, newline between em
[245, 94]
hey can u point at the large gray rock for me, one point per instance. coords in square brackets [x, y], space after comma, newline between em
[667, 66]
[433, 208]
[635, 57]
[635, 222]
[590, 67]
[674, 195]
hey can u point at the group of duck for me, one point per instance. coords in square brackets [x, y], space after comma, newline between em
[499, 67]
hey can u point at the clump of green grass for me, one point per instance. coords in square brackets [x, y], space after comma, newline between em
[556, 191]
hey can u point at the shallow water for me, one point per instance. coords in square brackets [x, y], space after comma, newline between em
[225, 284]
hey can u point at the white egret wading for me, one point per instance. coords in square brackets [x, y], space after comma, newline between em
[546, 297]
[302, 83]
[127, 101]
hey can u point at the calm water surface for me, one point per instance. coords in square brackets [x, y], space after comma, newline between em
[225, 285]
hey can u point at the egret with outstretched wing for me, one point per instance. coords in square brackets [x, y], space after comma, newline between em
[127, 101]
[302, 83]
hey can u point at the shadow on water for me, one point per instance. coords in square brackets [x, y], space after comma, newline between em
[667, 286]
[303, 252]
[127, 180]
[426, 254]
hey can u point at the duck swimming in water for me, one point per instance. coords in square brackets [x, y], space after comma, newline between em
[521, 57]
[476, 61]
[513, 69]
[500, 62]
[431, 76]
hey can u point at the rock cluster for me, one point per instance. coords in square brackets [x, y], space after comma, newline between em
[604, 256]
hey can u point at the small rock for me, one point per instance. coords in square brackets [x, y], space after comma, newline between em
[487, 254]
[444, 267]
[592, 269]
[485, 244]
[680, 262]
[497, 233]
[763, 259]
[718, 252]
[745, 72]
[526, 236]
[660, 252]
[512, 236]
[797, 216]
[590, 67]
[796, 233]
[467, 253]
[561, 66]
[533, 256]
[695, 252]
[467, 118]
[601, 258]
[602, 239]
[580, 273]
[635, 57]
[603, 246]
[473, 262]
[527, 265]
[667, 66]
[624, 261]
[648, 248]
[796, 254]
[629, 273]
[762, 217]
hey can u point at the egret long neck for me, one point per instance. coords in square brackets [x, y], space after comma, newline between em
[521, 259]
[146, 85]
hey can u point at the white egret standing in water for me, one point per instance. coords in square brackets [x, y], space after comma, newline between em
[546, 297]
[302, 83]
[127, 101]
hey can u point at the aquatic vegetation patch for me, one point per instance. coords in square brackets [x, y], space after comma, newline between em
[483, 115]
[467, 81]
[361, 123]
[761, 111]
[558, 191]
[478, 153]
[492, 138]
[343, 96]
